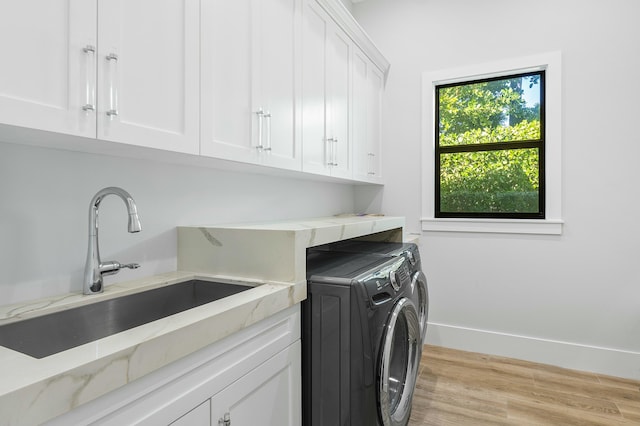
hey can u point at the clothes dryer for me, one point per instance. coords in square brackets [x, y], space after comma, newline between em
[361, 340]
[390, 249]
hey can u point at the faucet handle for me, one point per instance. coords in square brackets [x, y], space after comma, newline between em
[111, 267]
[130, 265]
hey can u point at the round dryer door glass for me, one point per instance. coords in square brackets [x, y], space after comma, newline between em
[419, 284]
[398, 369]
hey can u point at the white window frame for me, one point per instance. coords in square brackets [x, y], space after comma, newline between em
[551, 63]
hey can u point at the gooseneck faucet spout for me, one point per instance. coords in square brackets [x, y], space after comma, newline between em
[94, 268]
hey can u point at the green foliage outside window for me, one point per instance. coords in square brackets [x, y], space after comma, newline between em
[487, 161]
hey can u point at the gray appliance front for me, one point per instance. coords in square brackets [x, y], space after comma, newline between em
[361, 341]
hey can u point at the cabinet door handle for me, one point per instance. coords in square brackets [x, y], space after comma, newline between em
[112, 58]
[260, 114]
[329, 151]
[371, 171]
[90, 78]
[225, 421]
[335, 152]
[267, 115]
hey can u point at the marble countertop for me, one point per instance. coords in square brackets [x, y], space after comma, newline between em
[35, 390]
[274, 250]
[267, 256]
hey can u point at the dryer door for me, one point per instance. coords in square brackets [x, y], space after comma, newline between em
[419, 280]
[398, 369]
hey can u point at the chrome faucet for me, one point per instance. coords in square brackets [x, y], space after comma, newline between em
[95, 269]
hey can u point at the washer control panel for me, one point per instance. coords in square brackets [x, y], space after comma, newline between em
[385, 283]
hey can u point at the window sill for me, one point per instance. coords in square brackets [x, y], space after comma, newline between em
[497, 226]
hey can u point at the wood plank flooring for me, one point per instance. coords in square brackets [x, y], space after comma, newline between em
[466, 388]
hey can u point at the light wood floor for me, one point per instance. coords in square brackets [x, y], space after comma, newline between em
[465, 388]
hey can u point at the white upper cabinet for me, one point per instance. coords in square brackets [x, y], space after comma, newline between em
[326, 59]
[291, 84]
[338, 101]
[228, 125]
[250, 79]
[375, 80]
[314, 115]
[123, 71]
[148, 73]
[279, 80]
[368, 83]
[48, 65]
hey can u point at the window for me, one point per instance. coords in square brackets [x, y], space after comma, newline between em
[489, 147]
[492, 147]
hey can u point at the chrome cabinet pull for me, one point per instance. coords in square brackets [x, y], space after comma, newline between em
[371, 171]
[332, 152]
[335, 152]
[90, 78]
[225, 421]
[260, 114]
[267, 115]
[113, 89]
[329, 151]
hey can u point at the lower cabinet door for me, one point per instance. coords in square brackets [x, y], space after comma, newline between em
[268, 395]
[199, 416]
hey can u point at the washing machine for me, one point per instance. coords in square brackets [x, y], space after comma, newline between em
[389, 249]
[361, 340]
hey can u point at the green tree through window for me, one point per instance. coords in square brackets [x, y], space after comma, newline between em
[490, 148]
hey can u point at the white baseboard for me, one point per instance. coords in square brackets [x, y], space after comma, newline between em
[612, 362]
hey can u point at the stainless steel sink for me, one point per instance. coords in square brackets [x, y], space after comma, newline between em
[52, 333]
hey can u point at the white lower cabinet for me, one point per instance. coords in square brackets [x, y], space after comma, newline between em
[199, 416]
[268, 395]
[252, 377]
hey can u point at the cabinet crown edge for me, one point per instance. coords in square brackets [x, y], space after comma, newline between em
[348, 23]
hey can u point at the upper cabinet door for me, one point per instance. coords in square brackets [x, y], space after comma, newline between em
[368, 83]
[148, 73]
[229, 123]
[338, 100]
[249, 81]
[360, 107]
[375, 81]
[278, 79]
[48, 65]
[314, 38]
[325, 94]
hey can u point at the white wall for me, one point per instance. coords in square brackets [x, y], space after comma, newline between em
[571, 300]
[45, 195]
